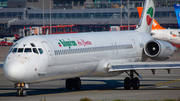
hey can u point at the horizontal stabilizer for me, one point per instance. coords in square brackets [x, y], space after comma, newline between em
[142, 66]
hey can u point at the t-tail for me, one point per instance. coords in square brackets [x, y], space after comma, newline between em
[156, 25]
[146, 21]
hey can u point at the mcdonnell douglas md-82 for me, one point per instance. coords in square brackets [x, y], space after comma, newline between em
[42, 58]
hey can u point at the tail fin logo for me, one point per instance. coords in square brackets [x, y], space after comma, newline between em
[149, 16]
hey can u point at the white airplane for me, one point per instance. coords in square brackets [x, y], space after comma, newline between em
[42, 58]
[160, 33]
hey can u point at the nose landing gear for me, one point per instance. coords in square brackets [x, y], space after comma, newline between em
[21, 92]
[21, 89]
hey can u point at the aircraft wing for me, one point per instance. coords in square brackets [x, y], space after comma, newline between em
[142, 66]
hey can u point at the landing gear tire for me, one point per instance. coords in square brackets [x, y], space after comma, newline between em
[18, 92]
[77, 84]
[21, 92]
[127, 83]
[69, 84]
[135, 83]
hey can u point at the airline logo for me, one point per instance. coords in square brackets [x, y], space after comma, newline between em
[70, 43]
[154, 24]
[84, 43]
[177, 5]
[66, 43]
[149, 16]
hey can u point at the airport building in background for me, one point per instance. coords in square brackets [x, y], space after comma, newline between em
[88, 15]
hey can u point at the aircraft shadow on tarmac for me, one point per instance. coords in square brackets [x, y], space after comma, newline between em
[107, 85]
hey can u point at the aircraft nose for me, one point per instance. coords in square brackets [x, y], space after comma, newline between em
[14, 71]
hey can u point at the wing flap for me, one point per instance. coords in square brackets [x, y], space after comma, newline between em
[142, 66]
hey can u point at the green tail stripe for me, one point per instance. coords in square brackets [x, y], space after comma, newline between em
[150, 11]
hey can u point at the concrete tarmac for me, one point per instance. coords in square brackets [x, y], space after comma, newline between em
[153, 87]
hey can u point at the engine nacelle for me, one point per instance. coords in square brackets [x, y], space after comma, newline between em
[159, 50]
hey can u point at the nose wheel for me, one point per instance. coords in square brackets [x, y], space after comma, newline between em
[21, 89]
[21, 92]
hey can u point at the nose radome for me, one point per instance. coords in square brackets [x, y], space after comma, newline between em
[14, 71]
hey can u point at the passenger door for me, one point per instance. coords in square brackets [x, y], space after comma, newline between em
[49, 52]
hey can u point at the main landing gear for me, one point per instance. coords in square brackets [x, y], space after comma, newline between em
[131, 82]
[74, 82]
[21, 89]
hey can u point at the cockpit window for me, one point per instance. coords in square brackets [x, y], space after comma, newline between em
[35, 50]
[20, 50]
[14, 50]
[33, 45]
[10, 50]
[179, 34]
[40, 50]
[27, 50]
[15, 44]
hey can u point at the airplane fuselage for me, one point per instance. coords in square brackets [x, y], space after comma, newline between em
[49, 57]
[170, 35]
[71, 56]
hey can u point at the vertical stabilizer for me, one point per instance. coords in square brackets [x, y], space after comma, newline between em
[145, 24]
[140, 9]
[177, 10]
[155, 25]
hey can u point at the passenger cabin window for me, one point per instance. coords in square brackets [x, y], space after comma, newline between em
[14, 50]
[20, 50]
[33, 45]
[27, 50]
[179, 34]
[35, 50]
[40, 50]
